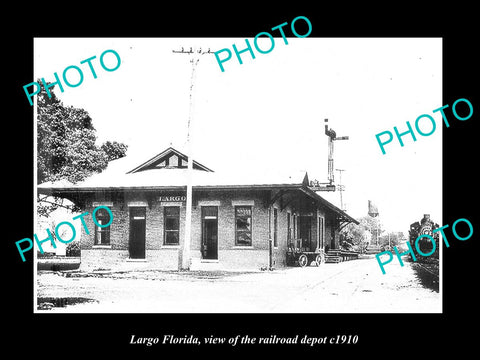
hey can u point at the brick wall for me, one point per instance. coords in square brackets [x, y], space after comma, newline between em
[163, 256]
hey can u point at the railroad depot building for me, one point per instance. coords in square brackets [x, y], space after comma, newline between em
[235, 223]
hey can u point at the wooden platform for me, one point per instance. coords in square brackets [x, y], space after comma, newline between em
[336, 256]
[373, 249]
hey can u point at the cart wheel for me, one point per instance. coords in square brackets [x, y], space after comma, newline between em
[302, 260]
[319, 259]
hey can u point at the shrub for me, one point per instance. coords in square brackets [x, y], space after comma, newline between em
[73, 249]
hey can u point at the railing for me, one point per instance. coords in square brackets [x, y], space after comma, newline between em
[296, 245]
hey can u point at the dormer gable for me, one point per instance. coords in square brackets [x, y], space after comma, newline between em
[169, 159]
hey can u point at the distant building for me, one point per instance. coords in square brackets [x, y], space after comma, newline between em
[237, 222]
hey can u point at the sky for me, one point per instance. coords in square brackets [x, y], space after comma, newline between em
[268, 113]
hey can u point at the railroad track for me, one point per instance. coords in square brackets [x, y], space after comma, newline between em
[427, 277]
[427, 270]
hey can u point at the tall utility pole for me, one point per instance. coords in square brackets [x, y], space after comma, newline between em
[184, 258]
[373, 212]
[341, 188]
[332, 136]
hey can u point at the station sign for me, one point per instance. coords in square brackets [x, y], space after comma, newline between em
[172, 198]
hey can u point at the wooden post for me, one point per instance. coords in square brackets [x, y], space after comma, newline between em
[184, 258]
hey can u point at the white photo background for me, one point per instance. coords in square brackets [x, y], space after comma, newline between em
[268, 113]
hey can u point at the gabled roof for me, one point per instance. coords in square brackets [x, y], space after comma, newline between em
[168, 171]
[168, 159]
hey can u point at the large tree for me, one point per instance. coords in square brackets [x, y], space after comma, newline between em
[66, 148]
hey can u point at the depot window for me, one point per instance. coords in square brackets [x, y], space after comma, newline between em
[171, 225]
[275, 227]
[243, 225]
[102, 234]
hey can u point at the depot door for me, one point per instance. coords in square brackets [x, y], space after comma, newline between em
[136, 245]
[210, 232]
[305, 231]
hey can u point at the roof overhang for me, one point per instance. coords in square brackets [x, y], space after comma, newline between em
[342, 216]
[74, 192]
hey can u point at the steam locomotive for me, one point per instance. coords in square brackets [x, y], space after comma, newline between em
[424, 227]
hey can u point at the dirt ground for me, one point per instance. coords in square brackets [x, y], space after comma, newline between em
[356, 286]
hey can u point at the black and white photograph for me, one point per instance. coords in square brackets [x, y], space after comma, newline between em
[298, 181]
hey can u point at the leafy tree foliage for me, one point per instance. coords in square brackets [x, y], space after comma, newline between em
[66, 148]
[391, 239]
[356, 235]
[114, 150]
